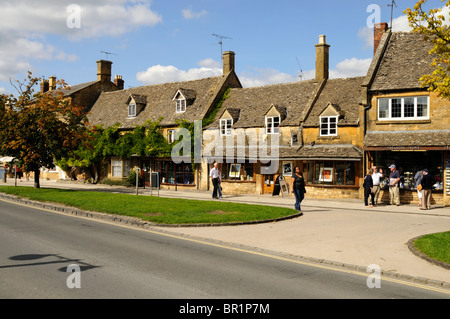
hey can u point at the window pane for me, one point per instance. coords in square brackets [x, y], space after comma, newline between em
[350, 173]
[340, 173]
[317, 169]
[383, 108]
[409, 107]
[396, 106]
[422, 106]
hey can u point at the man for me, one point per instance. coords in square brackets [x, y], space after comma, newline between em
[394, 187]
[376, 178]
[215, 177]
[427, 184]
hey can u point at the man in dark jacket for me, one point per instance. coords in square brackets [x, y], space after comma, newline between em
[368, 189]
[427, 184]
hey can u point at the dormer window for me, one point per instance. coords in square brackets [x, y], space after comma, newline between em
[181, 105]
[328, 125]
[225, 127]
[132, 110]
[272, 124]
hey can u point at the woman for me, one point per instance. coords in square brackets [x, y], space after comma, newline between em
[298, 187]
[417, 182]
[368, 188]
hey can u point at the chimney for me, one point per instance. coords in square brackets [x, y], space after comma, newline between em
[52, 83]
[118, 82]
[322, 59]
[44, 86]
[104, 70]
[378, 30]
[228, 62]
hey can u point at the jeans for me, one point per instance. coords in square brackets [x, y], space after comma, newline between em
[219, 191]
[216, 186]
[299, 195]
[368, 193]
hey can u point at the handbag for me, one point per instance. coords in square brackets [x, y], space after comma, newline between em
[419, 187]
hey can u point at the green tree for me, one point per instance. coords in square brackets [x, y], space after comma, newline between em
[39, 128]
[433, 25]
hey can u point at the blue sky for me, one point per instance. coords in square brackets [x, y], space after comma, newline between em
[171, 40]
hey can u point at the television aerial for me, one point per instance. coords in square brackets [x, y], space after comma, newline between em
[300, 72]
[220, 37]
[107, 53]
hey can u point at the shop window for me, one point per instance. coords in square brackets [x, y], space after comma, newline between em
[237, 171]
[340, 173]
[328, 125]
[403, 108]
[171, 173]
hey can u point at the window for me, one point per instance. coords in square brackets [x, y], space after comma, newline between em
[225, 127]
[132, 110]
[272, 124]
[171, 173]
[116, 167]
[171, 136]
[342, 173]
[237, 171]
[403, 108]
[181, 105]
[328, 126]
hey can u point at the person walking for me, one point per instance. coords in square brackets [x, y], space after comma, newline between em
[394, 186]
[417, 182]
[298, 187]
[215, 177]
[368, 189]
[427, 184]
[376, 179]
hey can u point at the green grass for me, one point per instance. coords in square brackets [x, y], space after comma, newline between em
[153, 209]
[436, 246]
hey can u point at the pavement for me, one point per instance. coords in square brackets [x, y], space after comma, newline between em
[336, 233]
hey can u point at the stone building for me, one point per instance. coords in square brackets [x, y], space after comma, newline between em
[189, 101]
[405, 124]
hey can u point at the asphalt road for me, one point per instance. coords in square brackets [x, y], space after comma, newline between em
[37, 247]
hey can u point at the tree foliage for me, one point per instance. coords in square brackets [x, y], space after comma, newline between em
[39, 128]
[433, 25]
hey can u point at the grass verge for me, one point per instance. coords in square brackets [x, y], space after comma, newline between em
[435, 246]
[153, 209]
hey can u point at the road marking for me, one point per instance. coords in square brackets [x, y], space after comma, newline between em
[248, 251]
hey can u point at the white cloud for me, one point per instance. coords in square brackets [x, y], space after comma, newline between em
[351, 68]
[189, 14]
[261, 77]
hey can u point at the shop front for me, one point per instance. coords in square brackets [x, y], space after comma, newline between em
[409, 160]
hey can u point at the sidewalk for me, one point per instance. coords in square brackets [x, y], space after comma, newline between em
[340, 233]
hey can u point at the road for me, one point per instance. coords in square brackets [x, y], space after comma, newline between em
[121, 262]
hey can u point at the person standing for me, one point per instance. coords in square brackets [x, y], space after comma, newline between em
[417, 182]
[394, 185]
[427, 184]
[368, 189]
[298, 187]
[376, 179]
[215, 177]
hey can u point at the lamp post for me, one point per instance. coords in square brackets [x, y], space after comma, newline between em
[137, 180]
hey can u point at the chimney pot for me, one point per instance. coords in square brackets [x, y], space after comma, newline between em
[378, 30]
[104, 70]
[322, 59]
[118, 82]
[228, 62]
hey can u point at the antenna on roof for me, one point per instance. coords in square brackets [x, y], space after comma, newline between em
[300, 75]
[106, 53]
[220, 37]
[392, 9]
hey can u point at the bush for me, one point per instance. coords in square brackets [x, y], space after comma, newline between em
[131, 180]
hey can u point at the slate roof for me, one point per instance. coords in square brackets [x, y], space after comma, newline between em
[407, 138]
[404, 61]
[255, 102]
[345, 95]
[111, 107]
[73, 88]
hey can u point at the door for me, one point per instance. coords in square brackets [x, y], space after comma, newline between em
[269, 182]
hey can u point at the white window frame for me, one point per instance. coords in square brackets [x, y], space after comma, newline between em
[181, 105]
[116, 167]
[402, 116]
[225, 127]
[132, 110]
[171, 136]
[270, 128]
[329, 126]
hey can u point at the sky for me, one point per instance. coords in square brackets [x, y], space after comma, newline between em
[158, 41]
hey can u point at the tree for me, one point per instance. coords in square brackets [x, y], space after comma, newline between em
[433, 25]
[39, 128]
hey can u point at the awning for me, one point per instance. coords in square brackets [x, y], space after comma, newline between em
[408, 141]
[7, 159]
